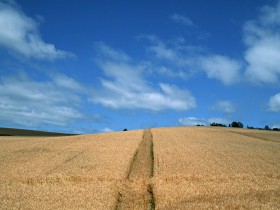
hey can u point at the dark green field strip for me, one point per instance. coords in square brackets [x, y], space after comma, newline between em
[23, 132]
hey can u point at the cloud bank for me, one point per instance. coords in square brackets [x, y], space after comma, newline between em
[192, 121]
[27, 102]
[221, 68]
[19, 34]
[262, 38]
[125, 86]
[274, 103]
[194, 60]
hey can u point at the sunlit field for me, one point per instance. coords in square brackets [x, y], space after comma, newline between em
[64, 172]
[216, 168]
[163, 168]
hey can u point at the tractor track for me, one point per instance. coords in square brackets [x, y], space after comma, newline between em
[254, 136]
[136, 192]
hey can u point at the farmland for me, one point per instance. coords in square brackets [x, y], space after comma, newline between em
[215, 167]
[162, 168]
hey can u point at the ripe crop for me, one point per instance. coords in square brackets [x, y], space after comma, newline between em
[162, 168]
[64, 172]
[202, 168]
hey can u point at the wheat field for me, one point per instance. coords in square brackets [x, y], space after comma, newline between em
[161, 168]
[75, 172]
[202, 168]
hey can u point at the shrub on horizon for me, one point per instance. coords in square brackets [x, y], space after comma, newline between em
[217, 124]
[236, 124]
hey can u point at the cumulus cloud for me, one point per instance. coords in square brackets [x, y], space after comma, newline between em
[224, 106]
[220, 67]
[262, 55]
[126, 87]
[262, 38]
[19, 33]
[182, 19]
[194, 60]
[28, 102]
[191, 121]
[274, 103]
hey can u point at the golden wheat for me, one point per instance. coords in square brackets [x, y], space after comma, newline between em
[76, 172]
[191, 168]
[206, 168]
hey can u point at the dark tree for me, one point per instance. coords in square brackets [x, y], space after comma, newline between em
[266, 127]
[240, 125]
[250, 127]
[125, 129]
[217, 124]
[236, 124]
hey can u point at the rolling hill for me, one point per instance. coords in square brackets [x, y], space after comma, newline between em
[161, 168]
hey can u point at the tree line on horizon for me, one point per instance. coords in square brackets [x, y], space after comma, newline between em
[235, 124]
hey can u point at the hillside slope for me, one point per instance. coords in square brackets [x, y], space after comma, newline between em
[163, 168]
[224, 168]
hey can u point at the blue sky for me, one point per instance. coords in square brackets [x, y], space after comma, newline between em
[98, 66]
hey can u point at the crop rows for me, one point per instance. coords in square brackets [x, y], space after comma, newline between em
[206, 168]
[164, 168]
[64, 172]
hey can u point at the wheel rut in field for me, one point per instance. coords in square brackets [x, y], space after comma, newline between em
[255, 136]
[137, 192]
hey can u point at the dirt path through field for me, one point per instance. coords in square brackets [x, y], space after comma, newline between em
[254, 135]
[137, 192]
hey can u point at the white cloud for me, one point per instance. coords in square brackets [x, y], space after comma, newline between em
[262, 56]
[274, 103]
[191, 121]
[194, 60]
[63, 81]
[126, 87]
[106, 130]
[19, 33]
[113, 54]
[175, 52]
[162, 52]
[31, 103]
[262, 38]
[218, 120]
[224, 106]
[270, 15]
[182, 19]
[167, 72]
[263, 59]
[220, 67]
